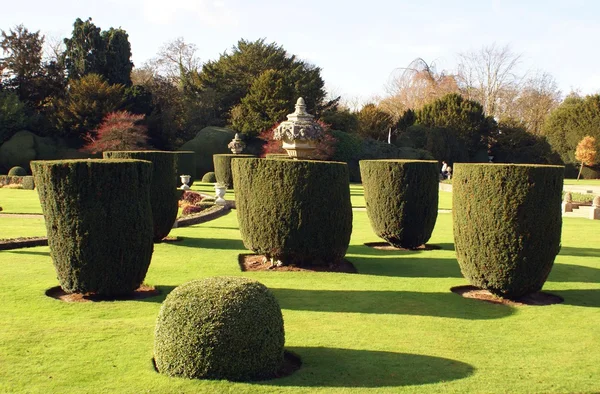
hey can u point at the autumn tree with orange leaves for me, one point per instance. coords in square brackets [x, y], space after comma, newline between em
[586, 152]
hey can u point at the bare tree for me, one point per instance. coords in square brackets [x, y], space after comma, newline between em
[488, 75]
[416, 85]
[174, 59]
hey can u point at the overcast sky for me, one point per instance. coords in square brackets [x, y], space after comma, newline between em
[357, 44]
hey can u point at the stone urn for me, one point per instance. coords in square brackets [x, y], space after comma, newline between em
[220, 190]
[236, 145]
[185, 179]
[300, 133]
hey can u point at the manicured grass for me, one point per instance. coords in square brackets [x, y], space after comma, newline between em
[583, 182]
[19, 201]
[395, 327]
[11, 227]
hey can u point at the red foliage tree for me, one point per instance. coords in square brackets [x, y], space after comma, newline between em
[119, 130]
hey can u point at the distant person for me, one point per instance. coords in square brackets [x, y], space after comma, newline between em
[444, 170]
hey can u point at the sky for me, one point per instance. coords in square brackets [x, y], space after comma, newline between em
[359, 45]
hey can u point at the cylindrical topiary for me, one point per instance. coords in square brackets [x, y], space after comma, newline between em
[99, 222]
[284, 156]
[185, 164]
[296, 211]
[402, 199]
[507, 225]
[17, 171]
[209, 177]
[164, 193]
[223, 168]
[220, 328]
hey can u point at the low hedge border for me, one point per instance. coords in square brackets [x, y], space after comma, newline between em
[25, 181]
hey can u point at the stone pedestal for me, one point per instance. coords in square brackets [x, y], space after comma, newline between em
[567, 207]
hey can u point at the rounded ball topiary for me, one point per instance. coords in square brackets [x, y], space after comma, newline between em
[209, 177]
[164, 195]
[17, 171]
[402, 199]
[507, 225]
[99, 222]
[220, 328]
[297, 211]
[223, 168]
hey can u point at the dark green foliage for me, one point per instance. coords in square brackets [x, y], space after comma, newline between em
[208, 142]
[341, 119]
[574, 118]
[220, 328]
[507, 225]
[284, 156]
[28, 182]
[185, 164]
[231, 76]
[463, 118]
[443, 144]
[17, 171]
[294, 210]
[223, 168]
[209, 177]
[163, 185]
[117, 54]
[402, 199]
[12, 115]
[374, 123]
[512, 143]
[99, 222]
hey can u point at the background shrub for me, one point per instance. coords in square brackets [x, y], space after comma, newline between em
[223, 168]
[295, 210]
[220, 328]
[185, 164]
[164, 195]
[17, 171]
[209, 177]
[507, 224]
[99, 222]
[402, 199]
[208, 142]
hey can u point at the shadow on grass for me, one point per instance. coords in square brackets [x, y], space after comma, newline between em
[23, 251]
[583, 297]
[583, 252]
[211, 243]
[402, 263]
[390, 302]
[222, 227]
[331, 367]
[574, 273]
[159, 298]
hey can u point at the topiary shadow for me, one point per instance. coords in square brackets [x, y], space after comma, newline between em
[211, 243]
[583, 252]
[584, 297]
[163, 290]
[574, 273]
[21, 251]
[390, 302]
[333, 367]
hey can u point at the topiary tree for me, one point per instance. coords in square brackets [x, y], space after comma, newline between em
[185, 164]
[296, 211]
[402, 199]
[165, 195]
[507, 224]
[99, 222]
[220, 328]
[17, 171]
[223, 168]
[209, 177]
[208, 142]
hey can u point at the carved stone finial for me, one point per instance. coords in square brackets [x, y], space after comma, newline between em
[596, 202]
[568, 197]
[299, 133]
[236, 145]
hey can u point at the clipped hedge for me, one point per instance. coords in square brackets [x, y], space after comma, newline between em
[164, 194]
[507, 225]
[284, 156]
[17, 171]
[99, 222]
[220, 328]
[223, 168]
[26, 182]
[209, 177]
[297, 211]
[402, 199]
[185, 164]
[208, 142]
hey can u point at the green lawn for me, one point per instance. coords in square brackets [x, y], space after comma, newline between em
[19, 201]
[395, 327]
[583, 182]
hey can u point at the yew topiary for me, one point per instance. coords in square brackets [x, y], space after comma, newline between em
[220, 328]
[209, 177]
[164, 194]
[99, 222]
[223, 168]
[185, 164]
[402, 199]
[297, 211]
[507, 225]
[17, 171]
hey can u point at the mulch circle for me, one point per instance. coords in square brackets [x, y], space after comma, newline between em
[291, 363]
[144, 291]
[539, 298]
[387, 246]
[254, 262]
[170, 239]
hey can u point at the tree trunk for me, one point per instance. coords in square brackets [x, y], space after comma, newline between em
[580, 169]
